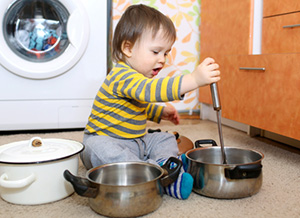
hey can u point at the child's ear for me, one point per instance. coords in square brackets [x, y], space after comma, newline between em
[126, 48]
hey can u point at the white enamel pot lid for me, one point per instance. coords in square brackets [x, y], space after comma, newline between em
[37, 150]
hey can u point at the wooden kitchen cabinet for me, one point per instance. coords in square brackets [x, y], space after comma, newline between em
[267, 99]
[281, 34]
[224, 30]
[225, 27]
[278, 7]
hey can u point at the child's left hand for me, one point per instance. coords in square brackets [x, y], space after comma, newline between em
[171, 114]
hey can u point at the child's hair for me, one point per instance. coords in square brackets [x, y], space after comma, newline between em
[135, 20]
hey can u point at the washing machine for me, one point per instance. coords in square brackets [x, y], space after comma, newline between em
[53, 58]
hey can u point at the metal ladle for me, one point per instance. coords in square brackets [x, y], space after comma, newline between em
[217, 108]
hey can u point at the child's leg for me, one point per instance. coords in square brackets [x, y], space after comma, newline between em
[182, 187]
[104, 149]
[161, 146]
[182, 157]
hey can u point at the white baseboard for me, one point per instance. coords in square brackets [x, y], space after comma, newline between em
[208, 113]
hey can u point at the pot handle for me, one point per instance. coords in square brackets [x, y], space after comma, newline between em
[5, 183]
[81, 186]
[176, 134]
[200, 142]
[173, 173]
[248, 171]
[154, 130]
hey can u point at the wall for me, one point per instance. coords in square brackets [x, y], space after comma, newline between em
[185, 53]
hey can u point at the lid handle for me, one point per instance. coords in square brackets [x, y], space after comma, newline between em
[36, 142]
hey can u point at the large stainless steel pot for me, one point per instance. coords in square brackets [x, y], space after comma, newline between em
[31, 171]
[240, 177]
[127, 189]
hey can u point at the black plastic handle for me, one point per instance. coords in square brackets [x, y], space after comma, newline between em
[154, 130]
[172, 172]
[176, 134]
[200, 142]
[248, 171]
[81, 186]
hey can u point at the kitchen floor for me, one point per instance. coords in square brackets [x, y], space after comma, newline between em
[278, 196]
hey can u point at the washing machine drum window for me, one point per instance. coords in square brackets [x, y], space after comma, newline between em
[36, 30]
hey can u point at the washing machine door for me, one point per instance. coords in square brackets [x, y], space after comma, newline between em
[40, 39]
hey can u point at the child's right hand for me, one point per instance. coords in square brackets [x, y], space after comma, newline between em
[205, 73]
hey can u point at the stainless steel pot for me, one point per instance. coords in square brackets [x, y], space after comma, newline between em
[240, 177]
[31, 171]
[127, 189]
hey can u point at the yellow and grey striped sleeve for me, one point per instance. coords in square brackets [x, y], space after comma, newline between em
[154, 112]
[126, 100]
[143, 89]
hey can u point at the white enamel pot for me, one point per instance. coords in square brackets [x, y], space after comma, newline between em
[31, 172]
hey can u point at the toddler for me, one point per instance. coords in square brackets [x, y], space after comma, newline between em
[116, 129]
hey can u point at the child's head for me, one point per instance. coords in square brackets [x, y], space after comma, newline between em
[136, 22]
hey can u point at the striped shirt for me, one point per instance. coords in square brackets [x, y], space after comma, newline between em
[125, 102]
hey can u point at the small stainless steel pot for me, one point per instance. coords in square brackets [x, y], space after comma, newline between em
[240, 177]
[127, 189]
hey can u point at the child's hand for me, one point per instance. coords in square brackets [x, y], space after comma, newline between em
[206, 73]
[171, 114]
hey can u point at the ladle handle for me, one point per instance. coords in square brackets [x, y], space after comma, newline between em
[215, 96]
[217, 108]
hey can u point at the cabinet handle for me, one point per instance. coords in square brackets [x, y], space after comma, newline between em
[253, 68]
[291, 26]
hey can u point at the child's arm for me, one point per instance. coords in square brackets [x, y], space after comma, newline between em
[170, 113]
[206, 73]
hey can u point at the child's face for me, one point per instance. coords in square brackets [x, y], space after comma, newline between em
[148, 55]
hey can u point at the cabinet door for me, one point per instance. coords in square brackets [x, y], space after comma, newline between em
[226, 28]
[268, 99]
[276, 7]
[281, 34]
